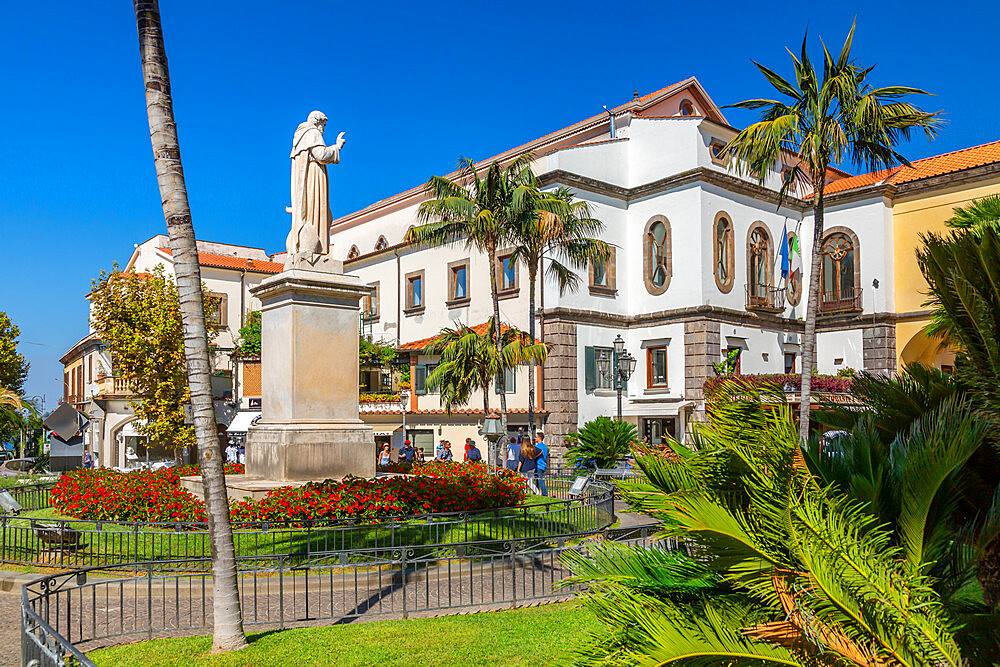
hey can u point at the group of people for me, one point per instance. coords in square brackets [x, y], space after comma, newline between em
[530, 459]
[442, 453]
[236, 453]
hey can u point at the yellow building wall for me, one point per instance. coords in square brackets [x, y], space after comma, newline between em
[912, 216]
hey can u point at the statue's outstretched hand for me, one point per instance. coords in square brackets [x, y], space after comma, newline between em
[340, 140]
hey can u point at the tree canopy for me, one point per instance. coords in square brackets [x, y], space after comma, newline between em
[138, 317]
[13, 365]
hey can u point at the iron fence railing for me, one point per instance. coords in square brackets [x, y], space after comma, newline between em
[32, 497]
[80, 543]
[765, 298]
[846, 300]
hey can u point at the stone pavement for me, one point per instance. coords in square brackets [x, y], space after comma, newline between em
[10, 612]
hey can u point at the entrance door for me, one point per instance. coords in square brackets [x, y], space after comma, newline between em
[656, 429]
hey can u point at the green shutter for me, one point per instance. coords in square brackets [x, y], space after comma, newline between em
[590, 366]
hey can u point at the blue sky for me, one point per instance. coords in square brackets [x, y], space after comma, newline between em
[415, 85]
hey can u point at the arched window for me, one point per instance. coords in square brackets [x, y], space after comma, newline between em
[381, 244]
[758, 258]
[657, 261]
[354, 252]
[686, 108]
[840, 275]
[722, 252]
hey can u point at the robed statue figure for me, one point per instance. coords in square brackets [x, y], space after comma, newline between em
[308, 242]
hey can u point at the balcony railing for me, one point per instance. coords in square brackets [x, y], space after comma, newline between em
[848, 301]
[765, 298]
[111, 386]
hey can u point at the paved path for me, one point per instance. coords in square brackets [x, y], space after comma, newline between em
[10, 613]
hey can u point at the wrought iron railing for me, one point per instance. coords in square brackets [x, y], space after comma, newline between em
[765, 298]
[846, 301]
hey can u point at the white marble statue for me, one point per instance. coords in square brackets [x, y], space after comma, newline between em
[308, 242]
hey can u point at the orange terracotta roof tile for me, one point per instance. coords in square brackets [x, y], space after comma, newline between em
[238, 263]
[947, 163]
[417, 345]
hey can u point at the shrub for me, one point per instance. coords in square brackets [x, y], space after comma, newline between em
[108, 495]
[601, 443]
[831, 384]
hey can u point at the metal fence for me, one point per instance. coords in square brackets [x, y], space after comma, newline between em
[78, 610]
[76, 543]
[32, 497]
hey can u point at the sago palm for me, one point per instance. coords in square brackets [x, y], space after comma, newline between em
[480, 210]
[804, 575]
[554, 228]
[601, 443]
[828, 118]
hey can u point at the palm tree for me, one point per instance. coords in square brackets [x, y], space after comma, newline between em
[825, 122]
[554, 227]
[227, 614]
[480, 211]
[469, 361]
[787, 570]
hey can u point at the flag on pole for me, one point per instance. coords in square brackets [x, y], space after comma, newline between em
[795, 254]
[783, 251]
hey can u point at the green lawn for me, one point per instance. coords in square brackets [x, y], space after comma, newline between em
[535, 637]
[169, 544]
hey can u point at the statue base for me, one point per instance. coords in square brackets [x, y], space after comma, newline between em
[303, 452]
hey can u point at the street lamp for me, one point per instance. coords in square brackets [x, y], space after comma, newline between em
[622, 371]
[404, 397]
[492, 431]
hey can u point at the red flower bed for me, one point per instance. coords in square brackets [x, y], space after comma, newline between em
[156, 496]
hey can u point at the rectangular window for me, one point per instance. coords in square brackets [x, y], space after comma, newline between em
[458, 282]
[507, 268]
[420, 379]
[600, 273]
[656, 366]
[430, 369]
[789, 363]
[217, 315]
[369, 302]
[509, 381]
[415, 297]
[604, 357]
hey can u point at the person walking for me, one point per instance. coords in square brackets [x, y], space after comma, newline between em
[468, 445]
[513, 453]
[420, 457]
[406, 452]
[88, 460]
[527, 464]
[386, 456]
[543, 461]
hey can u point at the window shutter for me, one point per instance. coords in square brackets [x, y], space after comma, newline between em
[590, 366]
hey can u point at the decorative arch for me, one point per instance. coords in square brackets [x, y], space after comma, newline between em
[381, 244]
[353, 252]
[842, 258]
[760, 256]
[657, 255]
[723, 252]
[687, 108]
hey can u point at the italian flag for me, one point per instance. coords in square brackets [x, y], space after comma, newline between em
[795, 254]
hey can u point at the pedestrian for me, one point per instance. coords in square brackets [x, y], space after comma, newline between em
[445, 454]
[385, 457]
[513, 452]
[231, 452]
[468, 445]
[543, 461]
[440, 449]
[406, 452]
[420, 458]
[527, 464]
[472, 454]
[88, 460]
[241, 455]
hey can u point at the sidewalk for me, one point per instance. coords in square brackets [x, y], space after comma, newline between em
[10, 609]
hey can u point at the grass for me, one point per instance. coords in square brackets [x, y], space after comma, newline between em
[23, 480]
[535, 636]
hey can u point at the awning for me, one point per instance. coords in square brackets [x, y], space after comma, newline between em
[242, 421]
[129, 431]
[383, 433]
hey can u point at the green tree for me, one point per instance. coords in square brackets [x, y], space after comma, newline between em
[248, 344]
[555, 228]
[227, 616]
[796, 572]
[138, 317]
[13, 365]
[481, 211]
[469, 361]
[825, 121]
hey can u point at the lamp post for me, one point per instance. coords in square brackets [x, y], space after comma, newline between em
[622, 371]
[404, 397]
[491, 430]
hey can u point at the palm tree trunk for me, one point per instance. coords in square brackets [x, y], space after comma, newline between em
[227, 615]
[812, 305]
[496, 339]
[532, 275]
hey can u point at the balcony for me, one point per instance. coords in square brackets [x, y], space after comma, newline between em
[847, 300]
[765, 299]
[109, 386]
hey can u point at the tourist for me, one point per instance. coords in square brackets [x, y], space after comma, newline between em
[439, 452]
[420, 458]
[472, 454]
[385, 457]
[468, 445]
[241, 455]
[88, 460]
[513, 452]
[543, 461]
[445, 453]
[527, 463]
[231, 452]
[406, 452]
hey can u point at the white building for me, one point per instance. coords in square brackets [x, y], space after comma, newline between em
[692, 275]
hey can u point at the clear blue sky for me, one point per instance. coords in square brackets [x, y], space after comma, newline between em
[414, 84]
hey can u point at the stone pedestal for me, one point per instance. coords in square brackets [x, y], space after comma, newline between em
[309, 427]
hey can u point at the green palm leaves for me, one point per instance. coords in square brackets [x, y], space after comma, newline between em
[785, 570]
[601, 442]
